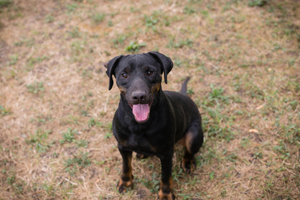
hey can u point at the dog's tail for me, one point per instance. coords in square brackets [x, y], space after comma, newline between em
[184, 86]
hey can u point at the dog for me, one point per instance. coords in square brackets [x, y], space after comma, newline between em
[149, 121]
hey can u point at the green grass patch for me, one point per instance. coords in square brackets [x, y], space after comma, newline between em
[75, 164]
[38, 140]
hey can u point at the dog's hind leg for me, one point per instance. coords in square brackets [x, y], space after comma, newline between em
[192, 141]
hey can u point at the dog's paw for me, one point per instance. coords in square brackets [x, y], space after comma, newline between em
[141, 156]
[163, 196]
[188, 165]
[123, 186]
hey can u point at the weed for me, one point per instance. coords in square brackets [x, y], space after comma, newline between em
[216, 96]
[77, 48]
[92, 122]
[245, 142]
[38, 140]
[72, 7]
[152, 184]
[119, 40]
[4, 111]
[282, 148]
[50, 189]
[180, 44]
[215, 127]
[177, 62]
[110, 23]
[32, 61]
[188, 10]
[260, 3]
[212, 175]
[75, 164]
[69, 136]
[134, 46]
[11, 179]
[41, 120]
[98, 17]
[185, 196]
[74, 33]
[107, 135]
[81, 143]
[49, 19]
[257, 155]
[13, 59]
[231, 157]
[5, 3]
[36, 87]
[190, 92]
[151, 21]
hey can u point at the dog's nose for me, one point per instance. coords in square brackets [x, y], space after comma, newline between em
[138, 97]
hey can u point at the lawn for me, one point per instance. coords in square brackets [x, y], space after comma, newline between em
[56, 111]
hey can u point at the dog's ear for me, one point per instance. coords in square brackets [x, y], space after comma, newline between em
[164, 61]
[110, 66]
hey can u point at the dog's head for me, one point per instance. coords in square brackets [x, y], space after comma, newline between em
[139, 79]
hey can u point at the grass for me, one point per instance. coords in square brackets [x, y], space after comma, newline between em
[134, 46]
[56, 112]
[5, 3]
[36, 87]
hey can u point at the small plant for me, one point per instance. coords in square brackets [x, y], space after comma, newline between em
[92, 122]
[108, 135]
[35, 87]
[134, 46]
[74, 33]
[258, 155]
[69, 136]
[151, 21]
[38, 140]
[188, 10]
[5, 3]
[77, 48]
[32, 61]
[77, 163]
[13, 59]
[180, 44]
[216, 95]
[190, 92]
[72, 7]
[119, 40]
[98, 17]
[82, 143]
[4, 111]
[260, 3]
[49, 18]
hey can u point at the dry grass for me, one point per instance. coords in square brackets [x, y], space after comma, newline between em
[56, 110]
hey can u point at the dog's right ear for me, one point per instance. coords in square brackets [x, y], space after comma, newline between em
[110, 66]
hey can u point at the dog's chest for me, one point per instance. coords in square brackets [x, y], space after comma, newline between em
[138, 143]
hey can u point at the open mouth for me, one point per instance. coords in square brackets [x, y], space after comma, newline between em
[141, 112]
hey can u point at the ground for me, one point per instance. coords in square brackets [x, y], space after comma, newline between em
[243, 57]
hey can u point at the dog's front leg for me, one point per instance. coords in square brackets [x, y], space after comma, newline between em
[126, 179]
[166, 187]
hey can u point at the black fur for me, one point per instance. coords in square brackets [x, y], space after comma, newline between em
[173, 116]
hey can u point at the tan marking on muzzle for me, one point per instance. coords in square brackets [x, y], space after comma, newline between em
[123, 90]
[155, 88]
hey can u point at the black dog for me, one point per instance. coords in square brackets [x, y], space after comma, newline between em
[150, 121]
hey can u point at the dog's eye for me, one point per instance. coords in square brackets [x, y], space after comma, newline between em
[124, 75]
[149, 72]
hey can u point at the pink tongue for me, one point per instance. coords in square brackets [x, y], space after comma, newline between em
[141, 111]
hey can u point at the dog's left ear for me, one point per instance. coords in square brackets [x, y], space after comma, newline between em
[165, 62]
[110, 66]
